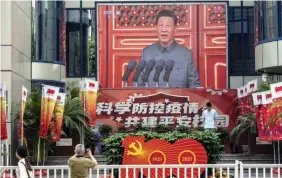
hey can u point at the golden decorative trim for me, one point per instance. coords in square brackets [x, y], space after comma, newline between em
[206, 72]
[214, 40]
[215, 72]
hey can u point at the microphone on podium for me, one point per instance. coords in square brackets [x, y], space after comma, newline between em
[150, 66]
[130, 67]
[139, 68]
[168, 68]
[158, 69]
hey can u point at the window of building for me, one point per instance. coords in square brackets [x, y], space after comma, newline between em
[73, 43]
[48, 30]
[258, 21]
[269, 20]
[241, 41]
[280, 18]
[267, 14]
[81, 60]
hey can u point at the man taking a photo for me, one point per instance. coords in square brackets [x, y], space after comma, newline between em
[81, 162]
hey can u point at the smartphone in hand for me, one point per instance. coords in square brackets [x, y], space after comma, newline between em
[87, 150]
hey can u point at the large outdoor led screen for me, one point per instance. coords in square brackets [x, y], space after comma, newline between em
[131, 32]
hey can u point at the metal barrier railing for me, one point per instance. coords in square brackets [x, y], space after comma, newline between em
[5, 148]
[260, 170]
[236, 170]
[123, 171]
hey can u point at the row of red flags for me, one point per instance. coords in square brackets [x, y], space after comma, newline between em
[52, 106]
[266, 107]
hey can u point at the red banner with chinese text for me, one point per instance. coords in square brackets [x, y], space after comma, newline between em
[49, 97]
[244, 105]
[269, 125]
[173, 107]
[245, 100]
[3, 131]
[23, 101]
[242, 94]
[56, 125]
[258, 107]
[275, 122]
[88, 96]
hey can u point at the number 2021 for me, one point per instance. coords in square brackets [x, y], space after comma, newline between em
[187, 158]
[157, 159]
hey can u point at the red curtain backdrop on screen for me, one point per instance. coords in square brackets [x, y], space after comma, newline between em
[201, 28]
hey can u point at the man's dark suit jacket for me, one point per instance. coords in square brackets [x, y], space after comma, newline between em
[184, 73]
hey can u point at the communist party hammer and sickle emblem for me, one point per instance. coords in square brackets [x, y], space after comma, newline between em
[134, 149]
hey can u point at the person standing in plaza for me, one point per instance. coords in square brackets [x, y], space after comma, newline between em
[80, 163]
[209, 116]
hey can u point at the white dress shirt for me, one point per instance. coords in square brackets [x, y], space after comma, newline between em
[209, 118]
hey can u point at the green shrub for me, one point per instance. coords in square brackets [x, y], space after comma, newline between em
[209, 139]
[163, 128]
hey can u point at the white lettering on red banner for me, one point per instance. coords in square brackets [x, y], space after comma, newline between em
[175, 114]
[131, 121]
[174, 108]
[122, 107]
[139, 108]
[150, 122]
[104, 107]
[184, 121]
[193, 108]
[166, 120]
[198, 121]
[158, 108]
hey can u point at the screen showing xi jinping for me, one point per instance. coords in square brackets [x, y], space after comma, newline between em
[162, 45]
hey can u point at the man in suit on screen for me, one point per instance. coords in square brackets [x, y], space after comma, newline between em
[184, 73]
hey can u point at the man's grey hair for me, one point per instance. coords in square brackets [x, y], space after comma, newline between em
[79, 149]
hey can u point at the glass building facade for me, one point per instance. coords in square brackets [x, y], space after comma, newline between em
[48, 36]
[81, 60]
[268, 21]
[241, 41]
[48, 31]
[64, 36]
